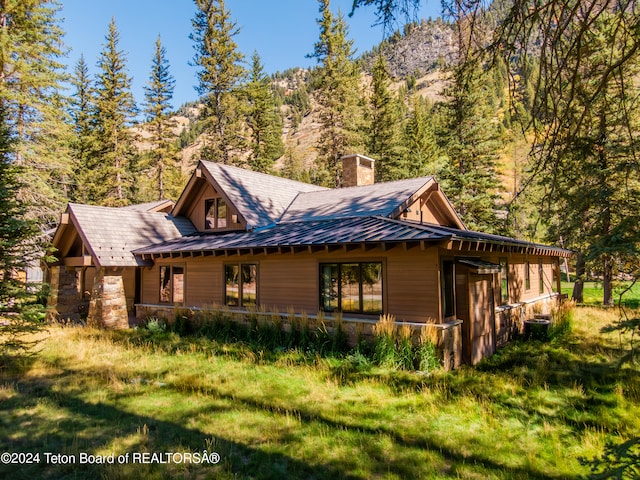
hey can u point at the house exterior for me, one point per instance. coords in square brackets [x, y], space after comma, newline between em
[246, 240]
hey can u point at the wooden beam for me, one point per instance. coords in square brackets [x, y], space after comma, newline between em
[84, 261]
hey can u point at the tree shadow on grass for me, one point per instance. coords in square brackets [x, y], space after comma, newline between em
[88, 427]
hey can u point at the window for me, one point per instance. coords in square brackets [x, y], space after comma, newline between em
[527, 275]
[241, 285]
[448, 296]
[540, 276]
[215, 213]
[504, 281]
[351, 287]
[171, 284]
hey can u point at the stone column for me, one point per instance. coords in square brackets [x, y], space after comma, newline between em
[108, 305]
[65, 300]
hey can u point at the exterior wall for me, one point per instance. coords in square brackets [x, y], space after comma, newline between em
[196, 213]
[291, 280]
[66, 302]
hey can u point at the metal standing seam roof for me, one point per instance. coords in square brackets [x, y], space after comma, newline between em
[341, 231]
[312, 233]
[111, 234]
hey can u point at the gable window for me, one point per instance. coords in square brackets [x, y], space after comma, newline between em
[241, 285]
[351, 287]
[171, 284]
[504, 281]
[527, 275]
[215, 213]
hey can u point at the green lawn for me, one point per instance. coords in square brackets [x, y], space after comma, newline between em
[593, 293]
[535, 410]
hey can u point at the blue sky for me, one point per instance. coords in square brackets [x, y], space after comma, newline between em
[281, 31]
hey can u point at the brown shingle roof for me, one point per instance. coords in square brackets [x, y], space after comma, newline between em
[113, 233]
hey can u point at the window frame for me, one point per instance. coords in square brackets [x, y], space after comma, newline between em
[540, 276]
[340, 287]
[444, 287]
[242, 302]
[216, 203]
[171, 283]
[504, 280]
[527, 276]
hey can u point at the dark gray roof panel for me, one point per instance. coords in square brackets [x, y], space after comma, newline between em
[313, 233]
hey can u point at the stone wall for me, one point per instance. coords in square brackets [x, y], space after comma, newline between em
[510, 318]
[108, 305]
[66, 302]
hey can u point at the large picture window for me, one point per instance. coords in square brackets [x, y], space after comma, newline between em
[215, 213]
[351, 287]
[241, 285]
[171, 284]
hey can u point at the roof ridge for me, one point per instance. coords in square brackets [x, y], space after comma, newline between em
[268, 175]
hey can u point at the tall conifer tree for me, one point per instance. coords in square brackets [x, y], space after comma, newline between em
[263, 119]
[384, 142]
[338, 92]
[81, 116]
[163, 157]
[220, 80]
[110, 168]
[31, 44]
[423, 155]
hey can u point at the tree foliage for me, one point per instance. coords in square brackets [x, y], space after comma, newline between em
[31, 46]
[109, 175]
[163, 158]
[263, 120]
[337, 84]
[220, 77]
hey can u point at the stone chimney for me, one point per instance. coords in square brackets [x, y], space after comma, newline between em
[357, 170]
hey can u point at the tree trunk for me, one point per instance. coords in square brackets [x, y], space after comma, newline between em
[578, 286]
[607, 281]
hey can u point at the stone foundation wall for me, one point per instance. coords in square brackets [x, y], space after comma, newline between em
[66, 301]
[510, 318]
[446, 336]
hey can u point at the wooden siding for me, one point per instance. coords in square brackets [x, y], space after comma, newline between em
[196, 212]
[430, 208]
[410, 280]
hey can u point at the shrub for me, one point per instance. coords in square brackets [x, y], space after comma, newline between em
[384, 350]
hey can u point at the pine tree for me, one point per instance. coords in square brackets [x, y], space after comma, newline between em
[16, 231]
[263, 120]
[337, 93]
[423, 155]
[220, 80]
[163, 165]
[31, 44]
[470, 138]
[109, 173]
[81, 107]
[384, 142]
